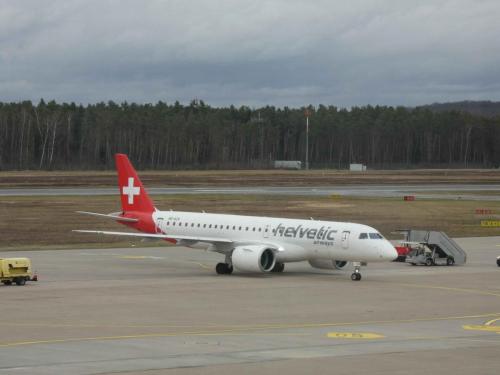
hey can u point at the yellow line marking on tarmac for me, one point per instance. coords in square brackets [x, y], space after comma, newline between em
[488, 326]
[354, 335]
[233, 330]
[482, 328]
[490, 322]
[125, 337]
[257, 326]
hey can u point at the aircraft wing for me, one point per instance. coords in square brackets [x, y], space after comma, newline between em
[158, 236]
[114, 216]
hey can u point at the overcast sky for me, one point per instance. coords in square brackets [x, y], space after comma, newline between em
[277, 52]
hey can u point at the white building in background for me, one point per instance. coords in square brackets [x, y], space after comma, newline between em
[357, 167]
[287, 164]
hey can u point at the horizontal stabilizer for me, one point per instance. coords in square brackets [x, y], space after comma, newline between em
[158, 236]
[110, 216]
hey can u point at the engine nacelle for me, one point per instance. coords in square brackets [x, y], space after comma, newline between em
[253, 258]
[327, 264]
[340, 264]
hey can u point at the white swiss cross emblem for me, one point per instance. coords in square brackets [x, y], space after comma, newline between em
[131, 190]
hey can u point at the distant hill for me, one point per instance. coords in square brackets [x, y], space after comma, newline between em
[481, 108]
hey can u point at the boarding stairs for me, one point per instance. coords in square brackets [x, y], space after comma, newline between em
[441, 240]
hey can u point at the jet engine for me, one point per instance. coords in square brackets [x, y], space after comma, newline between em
[327, 264]
[253, 258]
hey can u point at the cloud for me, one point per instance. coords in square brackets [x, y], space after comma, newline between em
[251, 52]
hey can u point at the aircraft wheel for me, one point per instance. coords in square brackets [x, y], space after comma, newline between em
[220, 268]
[223, 269]
[278, 267]
[356, 276]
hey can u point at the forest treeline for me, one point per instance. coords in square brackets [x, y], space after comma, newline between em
[49, 135]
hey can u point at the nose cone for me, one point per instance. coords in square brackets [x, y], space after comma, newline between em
[389, 251]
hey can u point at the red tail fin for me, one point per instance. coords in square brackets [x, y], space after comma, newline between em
[134, 196]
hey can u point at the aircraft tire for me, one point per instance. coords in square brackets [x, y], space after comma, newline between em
[278, 267]
[220, 268]
[223, 269]
[356, 276]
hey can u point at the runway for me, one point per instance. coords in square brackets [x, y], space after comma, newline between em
[483, 192]
[165, 311]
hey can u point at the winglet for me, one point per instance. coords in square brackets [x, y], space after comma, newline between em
[133, 195]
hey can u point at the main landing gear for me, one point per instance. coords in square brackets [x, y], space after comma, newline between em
[225, 268]
[278, 267]
[356, 275]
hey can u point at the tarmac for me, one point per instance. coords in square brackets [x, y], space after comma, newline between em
[163, 310]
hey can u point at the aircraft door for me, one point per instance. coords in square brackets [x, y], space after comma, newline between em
[265, 233]
[159, 224]
[345, 239]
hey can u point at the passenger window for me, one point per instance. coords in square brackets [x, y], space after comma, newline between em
[363, 236]
[186, 224]
[198, 225]
[253, 229]
[192, 224]
[210, 226]
[246, 228]
[204, 225]
[260, 229]
[215, 226]
[168, 222]
[239, 228]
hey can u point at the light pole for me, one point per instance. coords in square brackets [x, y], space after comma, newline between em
[306, 113]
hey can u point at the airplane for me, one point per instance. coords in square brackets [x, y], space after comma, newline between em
[248, 243]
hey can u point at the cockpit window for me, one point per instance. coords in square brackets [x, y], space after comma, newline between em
[363, 236]
[376, 236]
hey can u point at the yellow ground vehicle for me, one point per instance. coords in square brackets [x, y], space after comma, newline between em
[16, 270]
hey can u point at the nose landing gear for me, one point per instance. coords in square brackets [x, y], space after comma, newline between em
[356, 275]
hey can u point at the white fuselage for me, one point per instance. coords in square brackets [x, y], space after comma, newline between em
[295, 239]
